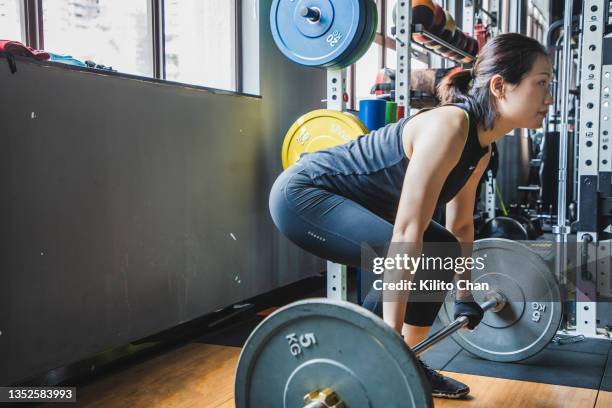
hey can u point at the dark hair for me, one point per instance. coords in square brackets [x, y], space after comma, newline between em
[510, 55]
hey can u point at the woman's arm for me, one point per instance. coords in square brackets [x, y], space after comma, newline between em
[460, 216]
[460, 210]
[436, 148]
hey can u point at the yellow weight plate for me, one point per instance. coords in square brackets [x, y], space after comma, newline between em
[318, 130]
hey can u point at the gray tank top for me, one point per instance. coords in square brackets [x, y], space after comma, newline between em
[370, 170]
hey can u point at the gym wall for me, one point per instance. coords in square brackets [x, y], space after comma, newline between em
[126, 195]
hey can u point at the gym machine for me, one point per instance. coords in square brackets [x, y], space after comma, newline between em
[594, 165]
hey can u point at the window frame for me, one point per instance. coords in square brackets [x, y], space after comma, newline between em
[32, 26]
[33, 23]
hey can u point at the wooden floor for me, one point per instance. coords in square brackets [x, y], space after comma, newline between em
[202, 375]
[604, 399]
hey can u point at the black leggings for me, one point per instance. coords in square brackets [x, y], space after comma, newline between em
[334, 227]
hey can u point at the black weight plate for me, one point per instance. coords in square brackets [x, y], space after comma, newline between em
[321, 343]
[533, 310]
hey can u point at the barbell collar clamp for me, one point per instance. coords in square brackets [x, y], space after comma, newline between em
[325, 398]
[499, 299]
[315, 404]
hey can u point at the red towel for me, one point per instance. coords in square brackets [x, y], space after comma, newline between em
[17, 48]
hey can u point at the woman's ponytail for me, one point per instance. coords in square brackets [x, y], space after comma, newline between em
[454, 86]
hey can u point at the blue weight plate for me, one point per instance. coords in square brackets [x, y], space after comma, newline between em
[319, 42]
[367, 37]
[318, 27]
[357, 41]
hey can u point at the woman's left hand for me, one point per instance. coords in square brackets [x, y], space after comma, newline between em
[470, 309]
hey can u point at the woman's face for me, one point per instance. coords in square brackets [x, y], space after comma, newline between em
[525, 105]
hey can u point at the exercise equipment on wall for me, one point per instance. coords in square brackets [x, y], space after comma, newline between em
[372, 112]
[391, 112]
[440, 34]
[329, 353]
[323, 33]
[481, 32]
[436, 27]
[367, 37]
[317, 130]
[423, 85]
[458, 40]
[422, 13]
[448, 32]
[315, 33]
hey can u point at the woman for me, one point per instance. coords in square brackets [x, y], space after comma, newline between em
[386, 186]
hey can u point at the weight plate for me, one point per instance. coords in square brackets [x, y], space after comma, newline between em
[322, 343]
[438, 24]
[321, 42]
[306, 26]
[317, 130]
[503, 227]
[447, 32]
[369, 33]
[532, 313]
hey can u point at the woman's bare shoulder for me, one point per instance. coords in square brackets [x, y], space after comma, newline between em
[448, 116]
[445, 126]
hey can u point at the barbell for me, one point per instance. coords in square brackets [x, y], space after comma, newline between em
[329, 353]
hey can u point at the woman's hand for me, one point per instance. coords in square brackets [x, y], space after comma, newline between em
[471, 310]
[464, 295]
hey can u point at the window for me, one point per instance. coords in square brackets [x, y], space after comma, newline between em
[505, 16]
[389, 17]
[114, 33]
[366, 69]
[10, 20]
[535, 22]
[189, 41]
[200, 42]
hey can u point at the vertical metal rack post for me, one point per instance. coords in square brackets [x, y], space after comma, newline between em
[593, 160]
[336, 89]
[403, 53]
[467, 25]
